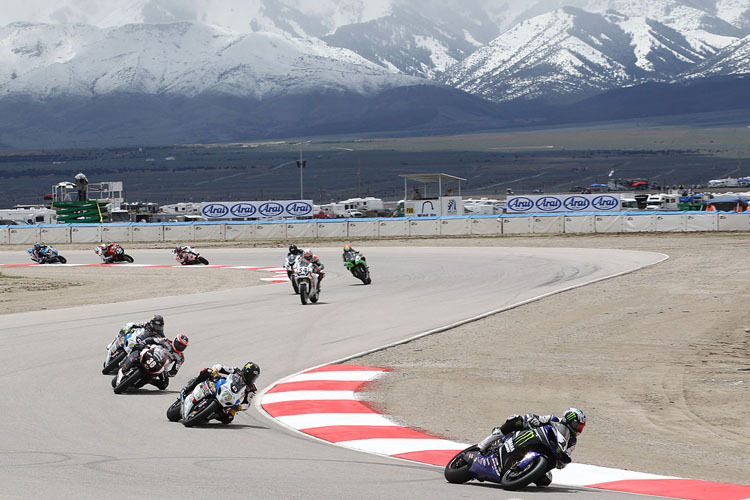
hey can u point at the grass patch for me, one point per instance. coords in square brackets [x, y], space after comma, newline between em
[9, 276]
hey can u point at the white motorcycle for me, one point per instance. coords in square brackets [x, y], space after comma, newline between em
[140, 368]
[209, 399]
[307, 281]
[119, 348]
[289, 263]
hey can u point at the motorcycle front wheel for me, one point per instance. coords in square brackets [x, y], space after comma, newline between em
[128, 258]
[203, 261]
[174, 411]
[201, 416]
[303, 293]
[114, 362]
[294, 283]
[457, 470]
[128, 381]
[515, 479]
[61, 259]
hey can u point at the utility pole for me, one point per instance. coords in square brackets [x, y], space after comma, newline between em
[359, 169]
[301, 166]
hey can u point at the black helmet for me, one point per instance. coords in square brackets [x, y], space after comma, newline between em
[180, 342]
[293, 248]
[250, 373]
[575, 420]
[156, 324]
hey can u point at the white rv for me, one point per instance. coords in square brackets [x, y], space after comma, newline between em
[663, 201]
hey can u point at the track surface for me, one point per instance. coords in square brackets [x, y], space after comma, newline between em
[66, 435]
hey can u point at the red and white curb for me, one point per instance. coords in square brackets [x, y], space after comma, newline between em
[278, 277]
[322, 403]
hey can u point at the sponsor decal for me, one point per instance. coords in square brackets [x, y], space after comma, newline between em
[605, 202]
[548, 204]
[299, 208]
[521, 204]
[215, 210]
[576, 203]
[243, 210]
[271, 209]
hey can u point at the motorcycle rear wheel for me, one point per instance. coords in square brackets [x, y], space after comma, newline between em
[114, 362]
[128, 381]
[515, 480]
[457, 470]
[202, 416]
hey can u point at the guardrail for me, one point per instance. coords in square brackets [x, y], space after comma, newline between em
[486, 225]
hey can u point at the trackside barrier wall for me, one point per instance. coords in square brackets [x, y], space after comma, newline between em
[670, 223]
[239, 231]
[638, 223]
[86, 233]
[148, 232]
[455, 226]
[25, 235]
[210, 232]
[179, 231]
[297, 230]
[596, 222]
[733, 222]
[55, 233]
[395, 227]
[548, 224]
[516, 225]
[424, 226]
[112, 233]
[275, 230]
[489, 225]
[577, 224]
[332, 229]
[365, 228]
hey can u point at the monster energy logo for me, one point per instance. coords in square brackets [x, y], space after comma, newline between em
[570, 416]
[523, 438]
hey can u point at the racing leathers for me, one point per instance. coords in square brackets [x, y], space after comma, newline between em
[216, 372]
[106, 252]
[519, 422]
[37, 252]
[318, 268]
[175, 361]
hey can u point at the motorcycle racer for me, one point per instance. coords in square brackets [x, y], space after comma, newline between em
[570, 426]
[294, 250]
[106, 251]
[349, 249]
[152, 328]
[37, 252]
[248, 373]
[175, 349]
[317, 265]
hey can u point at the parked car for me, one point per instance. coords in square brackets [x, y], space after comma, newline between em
[354, 213]
[11, 222]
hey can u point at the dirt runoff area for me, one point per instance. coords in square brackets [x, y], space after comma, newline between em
[659, 359]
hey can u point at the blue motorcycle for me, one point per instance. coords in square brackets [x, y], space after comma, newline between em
[522, 458]
[48, 255]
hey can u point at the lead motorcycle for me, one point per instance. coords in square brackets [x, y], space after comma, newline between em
[140, 367]
[49, 256]
[209, 400]
[117, 254]
[289, 262]
[307, 281]
[356, 263]
[520, 459]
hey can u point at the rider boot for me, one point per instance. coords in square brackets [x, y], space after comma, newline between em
[487, 442]
[160, 381]
[545, 480]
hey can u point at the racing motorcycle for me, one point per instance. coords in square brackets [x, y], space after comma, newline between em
[117, 255]
[289, 262]
[187, 258]
[210, 399]
[49, 256]
[140, 367]
[520, 459]
[307, 281]
[355, 262]
[119, 348]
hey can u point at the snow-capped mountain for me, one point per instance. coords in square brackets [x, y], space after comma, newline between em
[732, 60]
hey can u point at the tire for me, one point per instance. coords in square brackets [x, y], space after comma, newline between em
[127, 257]
[535, 470]
[61, 259]
[128, 381]
[174, 412]
[457, 470]
[294, 283]
[314, 298]
[202, 416]
[203, 261]
[113, 363]
[303, 293]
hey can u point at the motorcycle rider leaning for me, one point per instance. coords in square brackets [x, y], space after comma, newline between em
[174, 349]
[317, 265]
[294, 250]
[248, 373]
[106, 251]
[152, 328]
[347, 249]
[570, 426]
[37, 251]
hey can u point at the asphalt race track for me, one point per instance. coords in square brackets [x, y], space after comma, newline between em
[66, 435]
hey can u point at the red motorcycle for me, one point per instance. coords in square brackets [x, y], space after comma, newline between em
[187, 256]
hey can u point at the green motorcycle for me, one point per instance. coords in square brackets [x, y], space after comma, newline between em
[355, 262]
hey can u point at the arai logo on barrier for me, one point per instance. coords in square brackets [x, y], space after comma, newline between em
[215, 210]
[605, 202]
[299, 208]
[576, 203]
[271, 209]
[548, 203]
[243, 210]
[520, 204]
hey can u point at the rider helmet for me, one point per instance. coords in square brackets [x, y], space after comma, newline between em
[347, 248]
[293, 249]
[156, 324]
[177, 249]
[575, 420]
[180, 343]
[37, 246]
[307, 255]
[250, 373]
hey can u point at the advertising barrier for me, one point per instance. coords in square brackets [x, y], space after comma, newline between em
[332, 229]
[4, 235]
[109, 233]
[148, 232]
[239, 231]
[548, 225]
[701, 222]
[609, 223]
[24, 235]
[302, 230]
[486, 225]
[393, 227]
[600, 202]
[579, 224]
[362, 228]
[270, 230]
[455, 226]
[734, 222]
[58, 233]
[424, 227]
[216, 210]
[179, 231]
[210, 232]
[516, 225]
[638, 223]
[670, 223]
